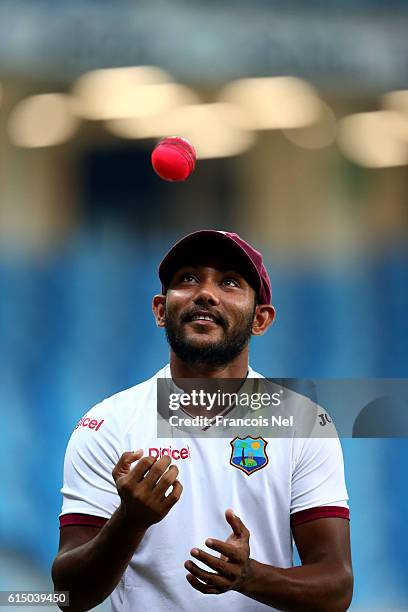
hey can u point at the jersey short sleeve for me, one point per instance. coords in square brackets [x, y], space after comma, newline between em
[317, 474]
[92, 452]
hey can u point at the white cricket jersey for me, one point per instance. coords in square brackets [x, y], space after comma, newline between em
[300, 473]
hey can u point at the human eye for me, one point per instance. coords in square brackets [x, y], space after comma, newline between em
[188, 277]
[231, 282]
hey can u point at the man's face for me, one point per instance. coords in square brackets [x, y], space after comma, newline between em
[209, 312]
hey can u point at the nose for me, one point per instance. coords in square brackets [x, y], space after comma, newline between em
[206, 294]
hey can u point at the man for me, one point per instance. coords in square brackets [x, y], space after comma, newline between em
[131, 520]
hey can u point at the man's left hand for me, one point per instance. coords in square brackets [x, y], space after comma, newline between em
[230, 569]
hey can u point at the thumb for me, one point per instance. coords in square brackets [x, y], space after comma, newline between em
[237, 525]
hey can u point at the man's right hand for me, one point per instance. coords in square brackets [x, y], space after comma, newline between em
[91, 560]
[142, 489]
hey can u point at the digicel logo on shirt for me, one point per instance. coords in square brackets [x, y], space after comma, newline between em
[91, 423]
[174, 453]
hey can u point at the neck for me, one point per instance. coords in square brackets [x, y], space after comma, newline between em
[237, 368]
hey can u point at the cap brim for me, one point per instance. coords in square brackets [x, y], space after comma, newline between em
[175, 259]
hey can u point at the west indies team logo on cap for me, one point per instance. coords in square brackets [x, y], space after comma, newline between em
[249, 454]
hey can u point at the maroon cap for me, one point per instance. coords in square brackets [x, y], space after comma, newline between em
[175, 259]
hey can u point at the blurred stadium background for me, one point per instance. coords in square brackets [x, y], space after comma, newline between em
[299, 113]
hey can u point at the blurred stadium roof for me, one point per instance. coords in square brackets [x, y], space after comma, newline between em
[362, 45]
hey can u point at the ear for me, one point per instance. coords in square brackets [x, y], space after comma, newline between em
[159, 309]
[264, 317]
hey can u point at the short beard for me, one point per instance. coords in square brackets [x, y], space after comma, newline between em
[215, 353]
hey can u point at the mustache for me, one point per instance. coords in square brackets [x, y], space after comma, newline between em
[188, 315]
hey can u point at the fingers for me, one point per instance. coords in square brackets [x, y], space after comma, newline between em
[200, 586]
[174, 496]
[228, 550]
[147, 469]
[211, 579]
[156, 470]
[155, 474]
[166, 480]
[237, 525]
[142, 469]
[216, 563]
[123, 465]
